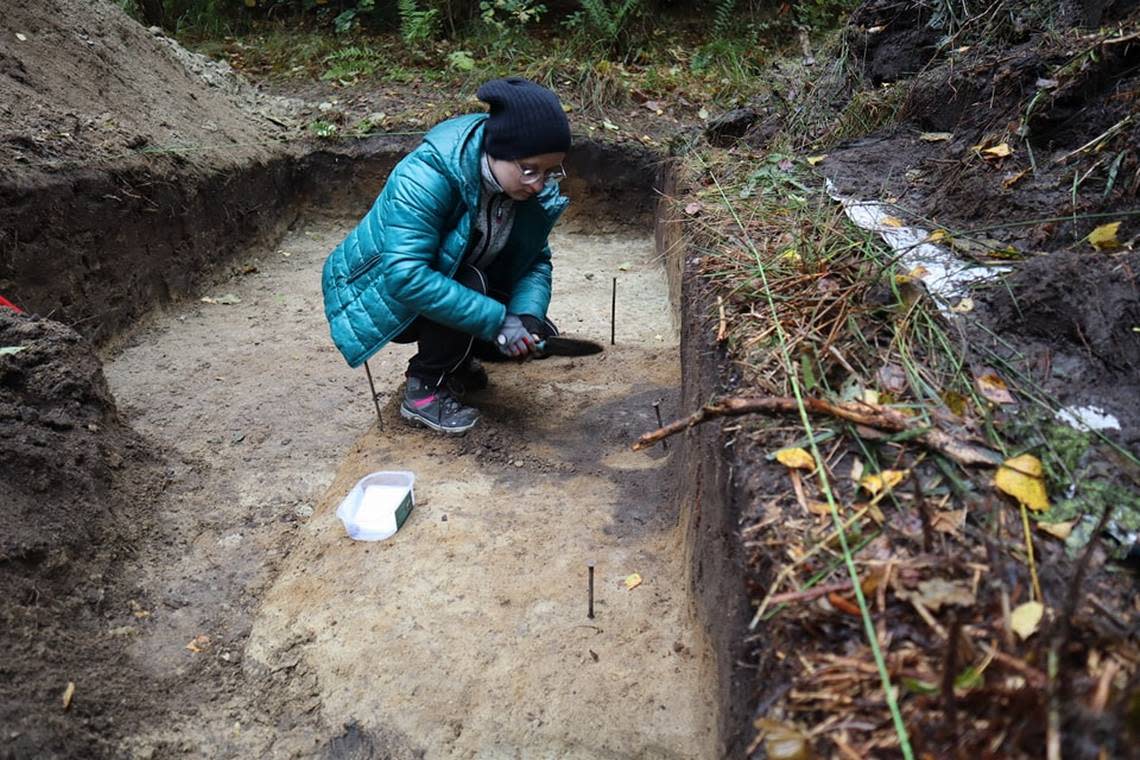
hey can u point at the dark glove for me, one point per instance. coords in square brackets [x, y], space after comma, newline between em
[514, 339]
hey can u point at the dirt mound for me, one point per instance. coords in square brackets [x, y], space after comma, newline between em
[75, 483]
[139, 91]
[1016, 136]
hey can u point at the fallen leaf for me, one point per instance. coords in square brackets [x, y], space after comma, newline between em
[694, 208]
[795, 458]
[892, 378]
[994, 388]
[655, 106]
[1061, 530]
[915, 274]
[937, 236]
[703, 113]
[198, 643]
[955, 402]
[950, 521]
[1002, 150]
[1022, 477]
[1026, 618]
[856, 469]
[937, 592]
[883, 481]
[965, 306]
[818, 507]
[892, 221]
[633, 581]
[1103, 238]
[9, 350]
[815, 160]
[839, 602]
[1047, 84]
[783, 741]
[870, 396]
[1013, 179]
[936, 136]
[68, 693]
[610, 125]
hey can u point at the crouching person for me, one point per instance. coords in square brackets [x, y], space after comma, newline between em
[454, 253]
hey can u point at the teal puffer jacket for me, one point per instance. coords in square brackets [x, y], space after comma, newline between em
[399, 261]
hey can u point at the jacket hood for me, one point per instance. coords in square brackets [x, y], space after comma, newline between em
[459, 142]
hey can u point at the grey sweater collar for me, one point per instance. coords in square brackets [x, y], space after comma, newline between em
[489, 182]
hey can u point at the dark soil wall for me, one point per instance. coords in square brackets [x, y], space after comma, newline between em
[95, 249]
[709, 476]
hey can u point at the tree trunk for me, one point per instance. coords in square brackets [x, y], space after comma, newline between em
[153, 12]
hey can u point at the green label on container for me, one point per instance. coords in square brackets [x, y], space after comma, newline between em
[404, 510]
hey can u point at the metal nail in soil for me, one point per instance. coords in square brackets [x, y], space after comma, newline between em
[660, 424]
[613, 313]
[590, 571]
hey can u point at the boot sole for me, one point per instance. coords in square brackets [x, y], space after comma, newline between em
[416, 419]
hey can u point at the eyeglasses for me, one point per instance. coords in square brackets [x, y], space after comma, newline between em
[533, 176]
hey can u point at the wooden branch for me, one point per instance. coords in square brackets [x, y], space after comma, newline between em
[870, 415]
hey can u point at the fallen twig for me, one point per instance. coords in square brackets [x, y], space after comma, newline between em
[808, 595]
[871, 415]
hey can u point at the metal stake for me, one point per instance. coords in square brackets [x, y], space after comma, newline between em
[590, 568]
[375, 399]
[613, 312]
[657, 409]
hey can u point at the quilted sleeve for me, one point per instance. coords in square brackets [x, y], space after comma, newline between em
[531, 293]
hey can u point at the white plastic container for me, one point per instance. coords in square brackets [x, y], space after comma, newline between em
[378, 505]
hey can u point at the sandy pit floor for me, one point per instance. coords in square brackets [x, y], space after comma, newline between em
[466, 634]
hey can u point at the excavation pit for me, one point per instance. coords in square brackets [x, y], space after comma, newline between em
[467, 632]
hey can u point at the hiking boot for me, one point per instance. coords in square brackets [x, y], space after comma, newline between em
[469, 378]
[436, 408]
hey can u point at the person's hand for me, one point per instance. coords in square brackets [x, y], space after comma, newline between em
[514, 339]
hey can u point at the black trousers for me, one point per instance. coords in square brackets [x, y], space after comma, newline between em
[444, 350]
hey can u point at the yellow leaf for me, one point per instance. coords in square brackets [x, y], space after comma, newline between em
[885, 480]
[935, 136]
[68, 693]
[998, 151]
[633, 581]
[994, 388]
[813, 160]
[964, 306]
[198, 643]
[1022, 477]
[797, 459]
[1025, 619]
[818, 507]
[1103, 238]
[791, 255]
[937, 236]
[870, 396]
[891, 221]
[1060, 530]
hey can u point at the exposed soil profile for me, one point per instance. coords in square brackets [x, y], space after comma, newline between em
[176, 428]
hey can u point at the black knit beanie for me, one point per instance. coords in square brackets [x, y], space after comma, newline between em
[526, 119]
